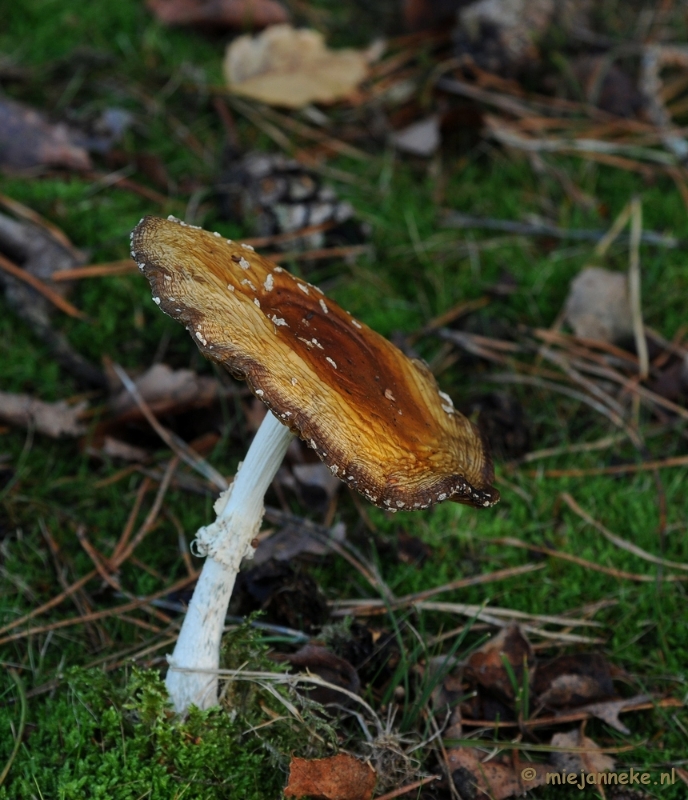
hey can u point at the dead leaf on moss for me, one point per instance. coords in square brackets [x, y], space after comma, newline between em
[166, 391]
[592, 761]
[341, 777]
[476, 775]
[571, 680]
[28, 140]
[287, 67]
[241, 14]
[52, 419]
[486, 665]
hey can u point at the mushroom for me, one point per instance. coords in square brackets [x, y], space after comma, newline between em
[375, 417]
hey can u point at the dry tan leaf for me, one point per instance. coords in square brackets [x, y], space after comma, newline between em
[287, 67]
[592, 761]
[341, 777]
[52, 419]
[477, 776]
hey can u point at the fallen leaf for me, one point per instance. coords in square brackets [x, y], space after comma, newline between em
[420, 138]
[28, 140]
[52, 419]
[591, 761]
[166, 391]
[486, 665]
[476, 775]
[420, 15]
[287, 67]
[341, 777]
[609, 710]
[598, 305]
[331, 668]
[607, 85]
[572, 680]
[286, 595]
[41, 253]
[294, 540]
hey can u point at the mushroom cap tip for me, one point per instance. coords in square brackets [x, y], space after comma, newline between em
[374, 416]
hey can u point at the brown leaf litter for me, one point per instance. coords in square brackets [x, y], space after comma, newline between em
[52, 419]
[340, 777]
[219, 14]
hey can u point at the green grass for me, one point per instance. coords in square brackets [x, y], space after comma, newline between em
[92, 736]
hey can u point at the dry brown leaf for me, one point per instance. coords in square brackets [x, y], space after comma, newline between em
[476, 775]
[341, 777]
[292, 541]
[242, 14]
[166, 391]
[592, 761]
[331, 668]
[572, 680]
[28, 140]
[287, 67]
[486, 665]
[52, 419]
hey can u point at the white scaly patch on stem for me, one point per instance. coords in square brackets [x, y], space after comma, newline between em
[192, 676]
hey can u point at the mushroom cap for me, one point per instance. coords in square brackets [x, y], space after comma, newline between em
[374, 416]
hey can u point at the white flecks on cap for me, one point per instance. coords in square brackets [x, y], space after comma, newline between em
[448, 409]
[278, 320]
[269, 283]
[248, 247]
[260, 392]
[334, 469]
[317, 288]
[230, 287]
[324, 307]
[201, 338]
[156, 300]
[219, 235]
[247, 282]
[167, 277]
[243, 263]
[356, 324]
[446, 398]
[327, 358]
[278, 269]
[400, 503]
[256, 301]
[442, 496]
[312, 444]
[141, 265]
[294, 381]
[389, 395]
[317, 344]
[229, 241]
[171, 218]
[303, 287]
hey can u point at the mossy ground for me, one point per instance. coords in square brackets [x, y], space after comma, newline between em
[109, 736]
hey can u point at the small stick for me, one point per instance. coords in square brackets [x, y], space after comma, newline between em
[634, 288]
[411, 786]
[629, 547]
[320, 253]
[133, 514]
[581, 562]
[618, 469]
[97, 615]
[123, 267]
[20, 210]
[37, 284]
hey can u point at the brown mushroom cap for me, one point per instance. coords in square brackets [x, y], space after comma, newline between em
[375, 417]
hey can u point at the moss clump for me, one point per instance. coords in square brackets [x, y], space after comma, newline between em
[96, 738]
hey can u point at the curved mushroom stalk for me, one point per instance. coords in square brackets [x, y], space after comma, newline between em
[192, 676]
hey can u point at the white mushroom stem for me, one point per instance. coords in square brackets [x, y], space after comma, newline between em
[192, 676]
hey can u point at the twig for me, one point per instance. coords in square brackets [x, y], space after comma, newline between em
[509, 541]
[618, 469]
[634, 288]
[629, 547]
[18, 739]
[409, 788]
[454, 219]
[123, 267]
[37, 284]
